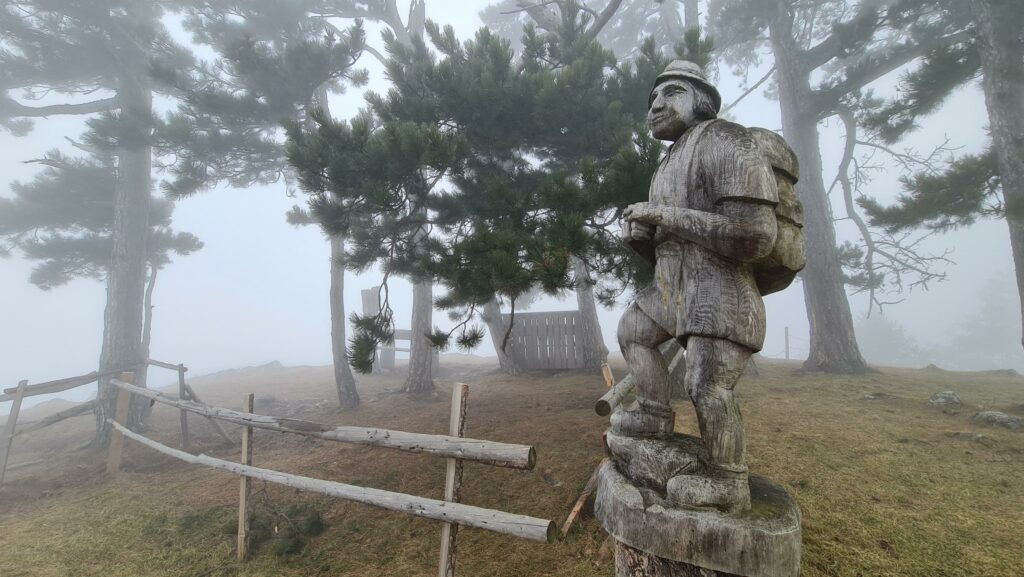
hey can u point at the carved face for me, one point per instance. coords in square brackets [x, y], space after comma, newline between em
[671, 109]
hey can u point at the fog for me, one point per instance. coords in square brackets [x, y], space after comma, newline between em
[257, 291]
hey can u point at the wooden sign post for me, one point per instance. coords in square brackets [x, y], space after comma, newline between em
[244, 487]
[453, 481]
[121, 417]
[12, 420]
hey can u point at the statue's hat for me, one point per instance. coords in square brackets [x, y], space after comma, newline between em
[687, 70]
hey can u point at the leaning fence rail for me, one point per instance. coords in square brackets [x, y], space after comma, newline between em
[453, 447]
[448, 512]
[489, 452]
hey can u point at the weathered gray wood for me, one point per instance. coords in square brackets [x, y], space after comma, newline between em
[120, 417]
[492, 453]
[511, 524]
[50, 387]
[764, 542]
[243, 487]
[453, 481]
[12, 421]
[588, 492]
[74, 411]
[61, 385]
[220, 430]
[614, 397]
[164, 365]
[183, 414]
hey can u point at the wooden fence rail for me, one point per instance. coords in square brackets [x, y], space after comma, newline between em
[488, 519]
[492, 453]
[23, 391]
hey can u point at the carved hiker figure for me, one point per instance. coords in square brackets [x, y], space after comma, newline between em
[718, 238]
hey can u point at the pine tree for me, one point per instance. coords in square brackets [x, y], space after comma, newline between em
[538, 151]
[826, 52]
[63, 220]
[77, 49]
[989, 184]
[275, 62]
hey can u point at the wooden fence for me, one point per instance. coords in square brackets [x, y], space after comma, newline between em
[552, 340]
[24, 390]
[454, 447]
[384, 358]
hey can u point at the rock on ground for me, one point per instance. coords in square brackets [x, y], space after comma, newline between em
[997, 418]
[945, 399]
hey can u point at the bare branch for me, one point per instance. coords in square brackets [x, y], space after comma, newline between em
[749, 90]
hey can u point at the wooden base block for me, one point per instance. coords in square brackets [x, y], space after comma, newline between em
[667, 541]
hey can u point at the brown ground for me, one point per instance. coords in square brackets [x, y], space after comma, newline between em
[884, 489]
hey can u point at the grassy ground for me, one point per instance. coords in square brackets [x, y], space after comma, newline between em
[884, 488]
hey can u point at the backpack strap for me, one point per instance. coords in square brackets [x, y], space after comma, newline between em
[690, 148]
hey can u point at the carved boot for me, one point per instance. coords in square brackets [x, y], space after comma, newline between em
[725, 489]
[643, 418]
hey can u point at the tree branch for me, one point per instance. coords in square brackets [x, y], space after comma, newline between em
[604, 18]
[883, 64]
[13, 108]
[749, 91]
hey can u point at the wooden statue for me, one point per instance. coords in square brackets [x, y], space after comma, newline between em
[719, 238]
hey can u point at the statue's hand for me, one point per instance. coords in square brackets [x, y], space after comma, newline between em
[646, 213]
[637, 231]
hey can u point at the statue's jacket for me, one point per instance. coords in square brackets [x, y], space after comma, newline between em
[697, 291]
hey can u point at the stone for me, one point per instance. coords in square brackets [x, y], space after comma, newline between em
[997, 418]
[761, 542]
[945, 399]
[980, 438]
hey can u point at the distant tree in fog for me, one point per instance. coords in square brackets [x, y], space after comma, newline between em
[826, 54]
[94, 57]
[884, 341]
[989, 184]
[274, 62]
[63, 220]
[987, 335]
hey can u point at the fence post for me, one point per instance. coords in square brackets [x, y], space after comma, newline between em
[243, 488]
[12, 420]
[183, 395]
[121, 417]
[453, 481]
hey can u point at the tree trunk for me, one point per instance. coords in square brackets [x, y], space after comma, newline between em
[594, 351]
[512, 360]
[833, 343]
[142, 407]
[999, 43]
[126, 277]
[420, 379]
[691, 14]
[344, 381]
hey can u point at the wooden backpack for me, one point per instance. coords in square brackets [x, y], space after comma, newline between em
[789, 255]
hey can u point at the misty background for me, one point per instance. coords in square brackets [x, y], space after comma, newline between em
[256, 292]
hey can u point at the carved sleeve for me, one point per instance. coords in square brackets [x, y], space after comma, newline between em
[744, 231]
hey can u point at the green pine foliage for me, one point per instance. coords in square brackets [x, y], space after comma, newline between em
[273, 61]
[63, 220]
[485, 170]
[968, 189]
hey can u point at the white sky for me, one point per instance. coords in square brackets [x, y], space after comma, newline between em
[257, 292]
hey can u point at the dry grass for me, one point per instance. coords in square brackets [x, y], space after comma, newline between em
[883, 488]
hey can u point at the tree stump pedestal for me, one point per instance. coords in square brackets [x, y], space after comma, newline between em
[654, 539]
